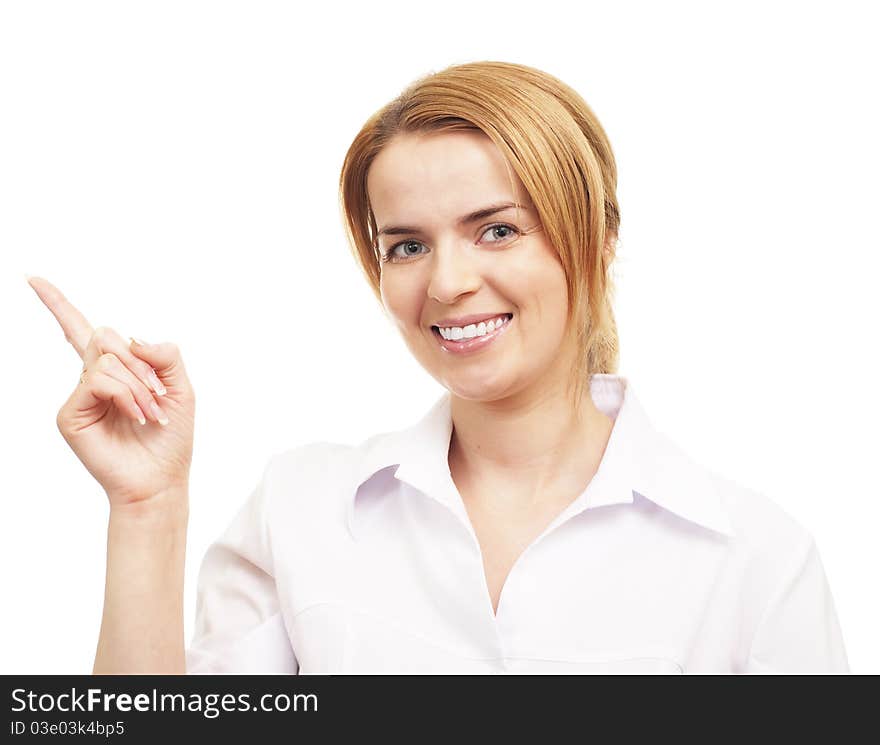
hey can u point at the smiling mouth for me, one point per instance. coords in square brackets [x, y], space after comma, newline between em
[471, 331]
[469, 345]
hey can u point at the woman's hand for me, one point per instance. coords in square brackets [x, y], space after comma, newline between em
[133, 462]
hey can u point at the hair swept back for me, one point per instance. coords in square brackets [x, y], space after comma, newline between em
[556, 146]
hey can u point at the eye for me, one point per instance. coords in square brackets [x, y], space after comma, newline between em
[392, 254]
[501, 227]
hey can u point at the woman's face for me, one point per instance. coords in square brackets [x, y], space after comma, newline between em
[437, 270]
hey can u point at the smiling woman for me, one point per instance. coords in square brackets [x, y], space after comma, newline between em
[532, 520]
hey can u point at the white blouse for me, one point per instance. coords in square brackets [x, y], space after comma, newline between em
[363, 560]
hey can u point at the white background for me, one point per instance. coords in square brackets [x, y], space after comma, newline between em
[173, 168]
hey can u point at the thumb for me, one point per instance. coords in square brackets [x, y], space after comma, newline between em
[165, 359]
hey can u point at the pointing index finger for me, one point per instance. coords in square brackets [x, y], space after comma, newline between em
[77, 329]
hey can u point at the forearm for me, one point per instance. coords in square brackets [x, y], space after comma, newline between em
[142, 624]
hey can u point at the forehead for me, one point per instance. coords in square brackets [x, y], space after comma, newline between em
[420, 176]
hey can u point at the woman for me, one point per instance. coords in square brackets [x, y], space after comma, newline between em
[532, 521]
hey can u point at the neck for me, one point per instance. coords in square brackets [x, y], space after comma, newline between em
[520, 451]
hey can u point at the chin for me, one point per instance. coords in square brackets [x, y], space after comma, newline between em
[477, 390]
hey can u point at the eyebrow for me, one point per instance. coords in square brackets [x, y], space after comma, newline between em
[464, 220]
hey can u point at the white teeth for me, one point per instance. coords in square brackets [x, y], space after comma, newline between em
[470, 331]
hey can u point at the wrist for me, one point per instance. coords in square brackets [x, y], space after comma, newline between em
[171, 504]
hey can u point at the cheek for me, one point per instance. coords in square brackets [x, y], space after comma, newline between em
[401, 301]
[537, 284]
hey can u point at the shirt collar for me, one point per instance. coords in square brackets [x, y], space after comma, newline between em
[638, 459]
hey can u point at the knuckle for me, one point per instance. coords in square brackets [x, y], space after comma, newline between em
[106, 361]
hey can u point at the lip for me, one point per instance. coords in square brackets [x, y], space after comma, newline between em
[467, 320]
[476, 344]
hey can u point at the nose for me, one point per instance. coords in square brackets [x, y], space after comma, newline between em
[453, 273]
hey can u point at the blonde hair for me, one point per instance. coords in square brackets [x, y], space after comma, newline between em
[560, 152]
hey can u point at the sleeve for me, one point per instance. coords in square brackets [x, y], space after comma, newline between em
[799, 632]
[239, 628]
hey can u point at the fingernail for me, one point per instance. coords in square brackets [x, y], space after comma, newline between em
[156, 383]
[139, 342]
[157, 412]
